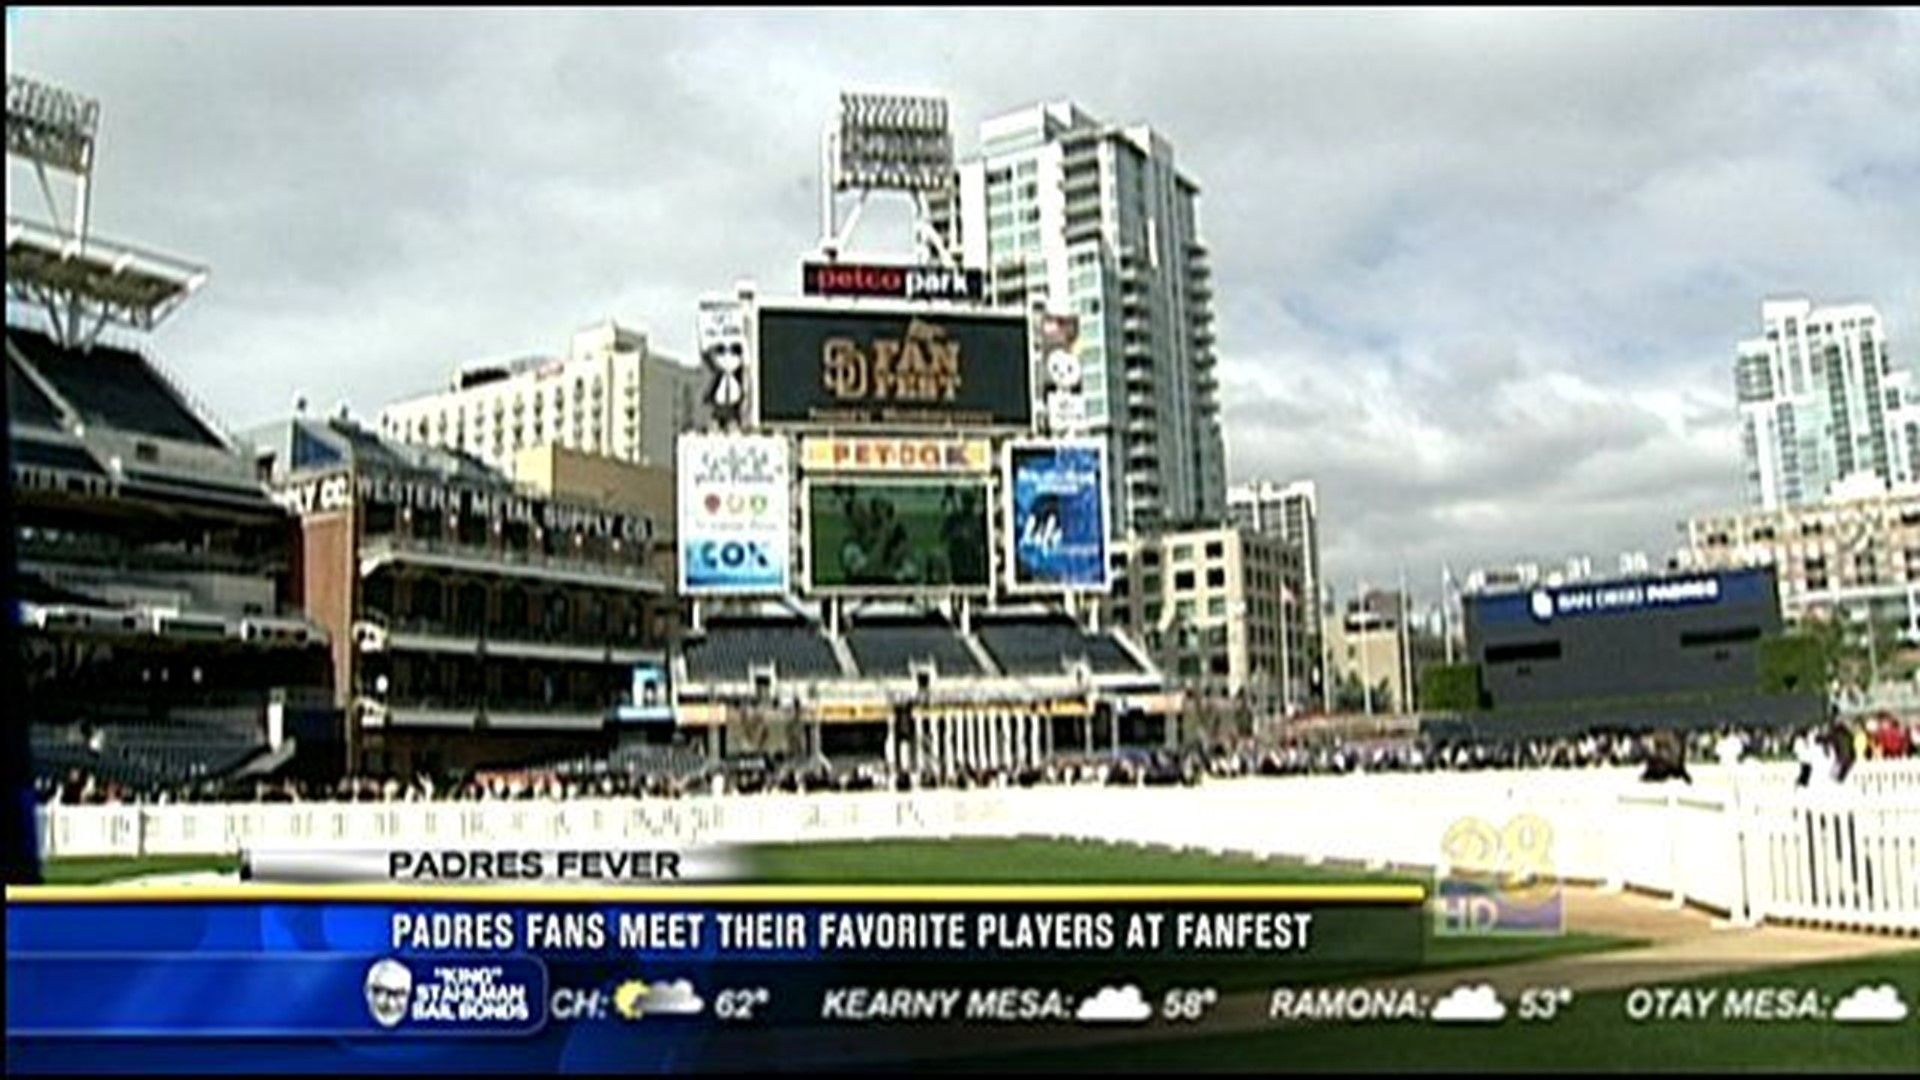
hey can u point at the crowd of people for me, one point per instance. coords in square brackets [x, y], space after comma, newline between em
[1825, 752]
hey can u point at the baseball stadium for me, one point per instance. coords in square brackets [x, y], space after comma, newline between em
[863, 649]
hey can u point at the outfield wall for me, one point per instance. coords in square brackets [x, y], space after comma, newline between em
[1744, 842]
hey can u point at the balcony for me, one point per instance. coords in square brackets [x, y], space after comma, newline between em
[469, 713]
[391, 548]
[522, 642]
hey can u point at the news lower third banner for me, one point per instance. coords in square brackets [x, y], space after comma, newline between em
[277, 977]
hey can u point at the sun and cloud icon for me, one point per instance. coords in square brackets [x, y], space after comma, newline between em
[1871, 1005]
[1114, 1005]
[635, 999]
[1476, 1004]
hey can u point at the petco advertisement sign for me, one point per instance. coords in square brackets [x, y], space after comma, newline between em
[735, 514]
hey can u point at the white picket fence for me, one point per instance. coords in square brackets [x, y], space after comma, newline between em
[1744, 842]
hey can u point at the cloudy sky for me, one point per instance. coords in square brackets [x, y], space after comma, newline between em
[1480, 272]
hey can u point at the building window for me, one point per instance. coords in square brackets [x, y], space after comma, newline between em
[1216, 578]
[1183, 581]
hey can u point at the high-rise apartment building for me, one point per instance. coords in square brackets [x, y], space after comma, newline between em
[1821, 406]
[1096, 220]
[613, 395]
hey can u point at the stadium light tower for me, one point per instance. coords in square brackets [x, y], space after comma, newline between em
[881, 142]
[82, 282]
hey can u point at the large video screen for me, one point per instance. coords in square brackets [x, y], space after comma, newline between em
[926, 369]
[899, 537]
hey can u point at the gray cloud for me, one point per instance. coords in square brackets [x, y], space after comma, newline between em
[1480, 273]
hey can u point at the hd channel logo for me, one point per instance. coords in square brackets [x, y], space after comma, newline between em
[502, 994]
[1498, 880]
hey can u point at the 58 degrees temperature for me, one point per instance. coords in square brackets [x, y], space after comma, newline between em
[1544, 1003]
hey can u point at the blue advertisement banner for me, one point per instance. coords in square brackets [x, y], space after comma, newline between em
[1543, 605]
[1060, 520]
[603, 983]
[650, 698]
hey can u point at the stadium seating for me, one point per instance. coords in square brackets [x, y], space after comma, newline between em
[32, 454]
[648, 759]
[1047, 645]
[144, 755]
[25, 403]
[731, 648]
[891, 646]
[113, 387]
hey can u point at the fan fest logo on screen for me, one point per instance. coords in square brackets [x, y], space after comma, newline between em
[1059, 515]
[924, 365]
[734, 514]
[905, 369]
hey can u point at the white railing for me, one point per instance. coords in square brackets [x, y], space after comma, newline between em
[1745, 842]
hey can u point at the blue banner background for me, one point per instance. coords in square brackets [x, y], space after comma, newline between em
[1059, 488]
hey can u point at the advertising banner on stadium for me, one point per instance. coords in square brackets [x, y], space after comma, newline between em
[899, 537]
[735, 514]
[650, 699]
[903, 455]
[915, 368]
[1057, 496]
[892, 282]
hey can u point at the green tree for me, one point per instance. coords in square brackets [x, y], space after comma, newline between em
[1803, 662]
[1450, 687]
[1350, 696]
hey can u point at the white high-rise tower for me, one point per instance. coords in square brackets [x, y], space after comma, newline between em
[1096, 220]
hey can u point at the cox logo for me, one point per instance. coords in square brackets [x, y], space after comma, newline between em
[731, 561]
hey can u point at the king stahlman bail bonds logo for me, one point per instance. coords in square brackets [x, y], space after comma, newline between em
[450, 995]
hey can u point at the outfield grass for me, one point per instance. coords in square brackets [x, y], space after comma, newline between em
[952, 862]
[98, 871]
[1593, 1035]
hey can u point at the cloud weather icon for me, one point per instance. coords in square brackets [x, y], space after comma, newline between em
[1114, 1005]
[1469, 1005]
[635, 999]
[1871, 1005]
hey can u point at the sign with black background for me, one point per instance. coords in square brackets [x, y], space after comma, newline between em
[911, 369]
[892, 282]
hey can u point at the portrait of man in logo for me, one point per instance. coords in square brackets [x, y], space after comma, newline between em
[389, 990]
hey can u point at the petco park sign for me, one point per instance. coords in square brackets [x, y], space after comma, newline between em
[892, 282]
[902, 455]
[1629, 596]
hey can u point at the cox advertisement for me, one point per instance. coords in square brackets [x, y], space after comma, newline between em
[900, 537]
[735, 514]
[1059, 535]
